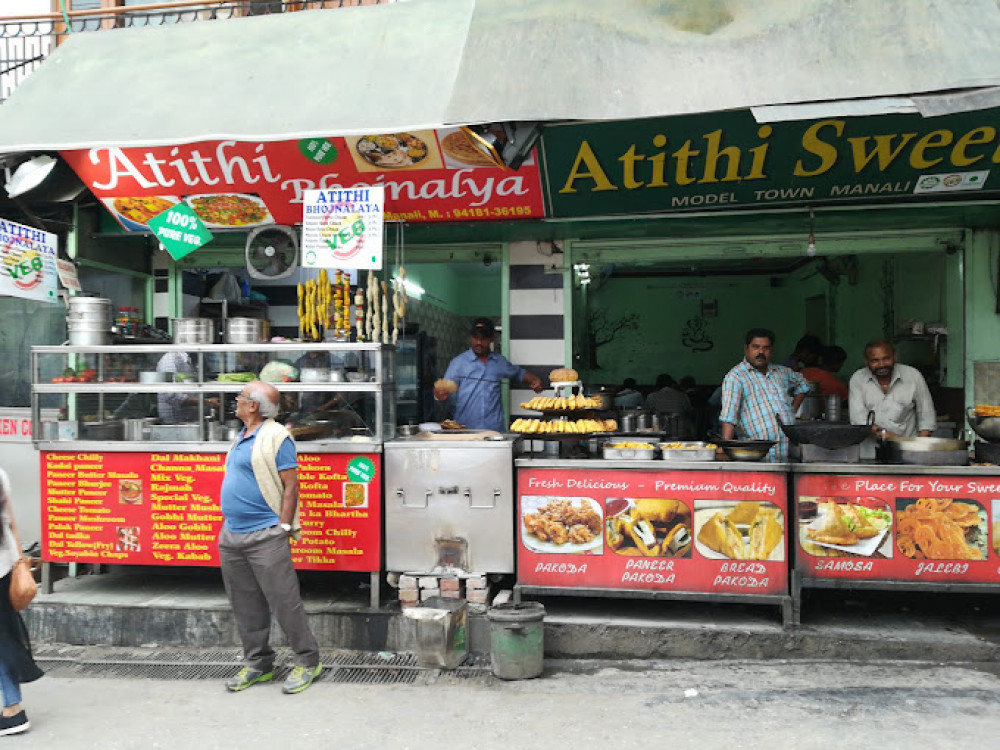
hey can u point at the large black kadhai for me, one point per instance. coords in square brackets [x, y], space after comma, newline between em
[829, 435]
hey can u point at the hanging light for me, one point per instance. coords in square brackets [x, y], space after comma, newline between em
[811, 246]
[44, 178]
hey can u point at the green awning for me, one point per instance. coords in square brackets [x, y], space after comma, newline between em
[421, 64]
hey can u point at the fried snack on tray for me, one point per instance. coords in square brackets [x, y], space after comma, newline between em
[451, 424]
[562, 403]
[936, 529]
[562, 521]
[446, 385]
[987, 410]
[560, 426]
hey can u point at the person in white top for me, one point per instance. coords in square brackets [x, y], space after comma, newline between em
[16, 663]
[896, 393]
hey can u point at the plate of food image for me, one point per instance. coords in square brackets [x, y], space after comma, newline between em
[848, 527]
[561, 525]
[740, 531]
[230, 210]
[392, 150]
[129, 491]
[135, 212]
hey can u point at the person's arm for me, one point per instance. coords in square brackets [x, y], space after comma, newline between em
[730, 408]
[926, 413]
[289, 494]
[532, 381]
[440, 394]
[800, 387]
[857, 409]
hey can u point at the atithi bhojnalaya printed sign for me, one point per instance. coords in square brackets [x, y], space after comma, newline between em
[29, 262]
[342, 228]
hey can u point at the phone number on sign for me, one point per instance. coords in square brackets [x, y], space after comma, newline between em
[486, 212]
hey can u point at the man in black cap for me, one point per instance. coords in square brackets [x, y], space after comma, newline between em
[478, 374]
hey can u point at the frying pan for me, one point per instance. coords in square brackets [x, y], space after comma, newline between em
[830, 435]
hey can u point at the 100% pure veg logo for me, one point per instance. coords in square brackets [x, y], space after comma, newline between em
[182, 221]
[23, 264]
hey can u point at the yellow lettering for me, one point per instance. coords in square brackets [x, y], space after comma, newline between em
[712, 155]
[659, 176]
[585, 158]
[759, 154]
[974, 137]
[934, 139]
[883, 150]
[815, 145]
[683, 156]
[628, 160]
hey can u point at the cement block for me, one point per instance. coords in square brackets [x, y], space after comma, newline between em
[407, 582]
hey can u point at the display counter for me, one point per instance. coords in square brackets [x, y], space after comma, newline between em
[711, 530]
[116, 497]
[896, 526]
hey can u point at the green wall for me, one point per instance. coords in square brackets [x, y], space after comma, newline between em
[670, 334]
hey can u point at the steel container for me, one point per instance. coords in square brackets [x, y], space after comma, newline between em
[194, 331]
[247, 330]
[88, 321]
[449, 504]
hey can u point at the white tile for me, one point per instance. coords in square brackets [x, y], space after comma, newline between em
[536, 302]
[537, 350]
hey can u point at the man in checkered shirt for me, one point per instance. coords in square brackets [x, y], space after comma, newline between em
[757, 394]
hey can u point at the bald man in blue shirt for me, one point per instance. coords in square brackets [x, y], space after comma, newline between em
[478, 372]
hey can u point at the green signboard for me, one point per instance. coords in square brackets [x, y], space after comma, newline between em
[179, 230]
[728, 160]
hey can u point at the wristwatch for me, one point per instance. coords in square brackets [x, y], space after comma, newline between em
[286, 527]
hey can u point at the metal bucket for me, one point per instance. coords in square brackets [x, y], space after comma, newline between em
[88, 321]
[194, 331]
[517, 640]
[137, 429]
[247, 330]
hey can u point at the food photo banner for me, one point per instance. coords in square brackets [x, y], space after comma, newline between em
[163, 509]
[926, 529]
[684, 531]
[427, 175]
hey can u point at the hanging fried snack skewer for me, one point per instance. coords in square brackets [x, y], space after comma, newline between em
[301, 309]
[359, 313]
[385, 313]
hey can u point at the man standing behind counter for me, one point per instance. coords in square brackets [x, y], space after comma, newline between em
[478, 374]
[756, 394]
[897, 393]
[259, 500]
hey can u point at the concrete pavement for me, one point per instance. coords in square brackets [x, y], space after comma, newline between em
[577, 704]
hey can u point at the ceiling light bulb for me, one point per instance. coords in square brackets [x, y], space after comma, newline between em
[811, 247]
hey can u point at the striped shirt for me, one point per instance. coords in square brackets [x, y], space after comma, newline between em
[754, 401]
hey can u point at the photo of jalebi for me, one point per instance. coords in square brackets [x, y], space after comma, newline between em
[940, 529]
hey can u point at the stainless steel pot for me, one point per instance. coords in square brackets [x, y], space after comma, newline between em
[247, 330]
[925, 451]
[88, 321]
[194, 331]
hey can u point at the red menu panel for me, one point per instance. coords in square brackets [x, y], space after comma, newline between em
[163, 509]
[684, 531]
[899, 528]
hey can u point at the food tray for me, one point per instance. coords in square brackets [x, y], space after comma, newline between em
[696, 451]
[630, 454]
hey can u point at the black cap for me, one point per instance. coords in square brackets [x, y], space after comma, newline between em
[483, 327]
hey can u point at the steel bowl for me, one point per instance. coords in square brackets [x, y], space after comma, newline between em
[988, 428]
[744, 450]
[407, 430]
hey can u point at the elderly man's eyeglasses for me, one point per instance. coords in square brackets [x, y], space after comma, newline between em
[243, 397]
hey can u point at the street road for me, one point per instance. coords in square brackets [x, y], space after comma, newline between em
[576, 704]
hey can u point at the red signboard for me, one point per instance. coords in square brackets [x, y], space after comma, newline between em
[163, 509]
[683, 531]
[919, 528]
[428, 176]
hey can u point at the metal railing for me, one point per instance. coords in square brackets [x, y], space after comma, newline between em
[26, 42]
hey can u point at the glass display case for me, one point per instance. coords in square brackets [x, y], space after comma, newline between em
[333, 395]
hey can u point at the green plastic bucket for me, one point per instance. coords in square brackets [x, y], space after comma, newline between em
[517, 639]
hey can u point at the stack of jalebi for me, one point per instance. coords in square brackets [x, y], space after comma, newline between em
[935, 529]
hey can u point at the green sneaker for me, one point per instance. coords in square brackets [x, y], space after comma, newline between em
[300, 679]
[247, 677]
